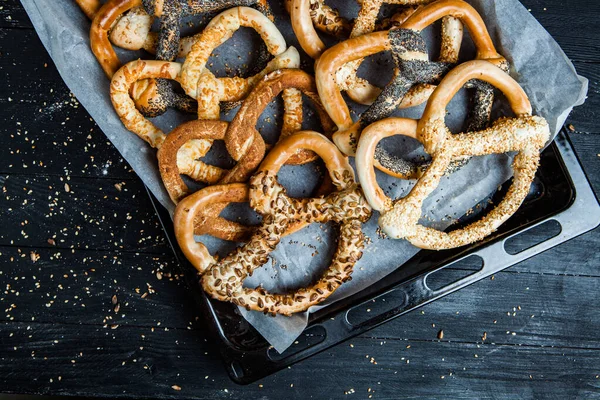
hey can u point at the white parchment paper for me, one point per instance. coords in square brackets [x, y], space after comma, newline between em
[537, 61]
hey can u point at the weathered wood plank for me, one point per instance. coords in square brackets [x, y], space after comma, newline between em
[79, 213]
[136, 362]
[78, 287]
[513, 308]
[46, 130]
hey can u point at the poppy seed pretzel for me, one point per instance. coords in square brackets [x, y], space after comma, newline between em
[197, 80]
[128, 24]
[413, 78]
[359, 90]
[223, 280]
[363, 92]
[524, 134]
[120, 93]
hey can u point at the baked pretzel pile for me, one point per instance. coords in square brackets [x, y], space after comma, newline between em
[143, 89]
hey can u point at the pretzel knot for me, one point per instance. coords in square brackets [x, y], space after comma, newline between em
[306, 15]
[414, 76]
[89, 7]
[524, 134]
[120, 91]
[242, 140]
[128, 24]
[200, 83]
[223, 280]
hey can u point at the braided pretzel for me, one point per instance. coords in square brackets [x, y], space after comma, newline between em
[346, 206]
[199, 83]
[242, 140]
[414, 74]
[120, 88]
[525, 134]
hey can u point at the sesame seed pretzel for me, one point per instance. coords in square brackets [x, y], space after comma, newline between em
[120, 92]
[414, 75]
[132, 31]
[201, 84]
[323, 17]
[524, 134]
[89, 7]
[243, 142]
[223, 280]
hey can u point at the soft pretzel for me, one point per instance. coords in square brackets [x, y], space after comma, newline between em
[524, 134]
[359, 90]
[128, 23]
[241, 131]
[120, 92]
[132, 31]
[223, 280]
[242, 140]
[414, 76]
[168, 155]
[197, 80]
[323, 17]
[89, 7]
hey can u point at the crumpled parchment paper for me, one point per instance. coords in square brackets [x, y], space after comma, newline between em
[537, 61]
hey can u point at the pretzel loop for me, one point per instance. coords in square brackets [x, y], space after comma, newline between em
[134, 121]
[340, 171]
[242, 129]
[365, 157]
[223, 280]
[525, 134]
[218, 31]
[186, 225]
[101, 24]
[414, 76]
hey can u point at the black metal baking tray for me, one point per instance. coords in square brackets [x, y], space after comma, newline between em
[560, 206]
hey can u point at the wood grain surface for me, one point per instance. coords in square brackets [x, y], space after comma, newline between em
[92, 305]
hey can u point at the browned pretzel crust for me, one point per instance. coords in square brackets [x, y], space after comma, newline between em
[242, 140]
[120, 92]
[415, 75]
[89, 7]
[241, 131]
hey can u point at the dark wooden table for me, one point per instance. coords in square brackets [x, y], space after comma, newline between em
[79, 231]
